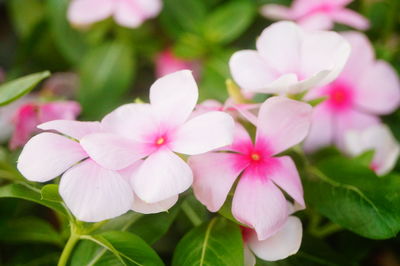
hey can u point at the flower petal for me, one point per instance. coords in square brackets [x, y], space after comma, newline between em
[133, 121]
[112, 151]
[275, 12]
[85, 12]
[317, 21]
[253, 74]
[249, 258]
[204, 133]
[321, 131]
[351, 18]
[259, 204]
[173, 90]
[214, 174]
[93, 193]
[379, 90]
[281, 245]
[284, 122]
[71, 128]
[323, 56]
[47, 156]
[162, 175]
[287, 177]
[147, 208]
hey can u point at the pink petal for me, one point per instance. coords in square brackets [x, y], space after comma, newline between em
[287, 177]
[259, 204]
[281, 245]
[351, 120]
[321, 131]
[175, 90]
[68, 110]
[71, 128]
[214, 175]
[351, 18]
[280, 46]
[85, 12]
[132, 121]
[25, 121]
[324, 54]
[276, 12]
[283, 122]
[112, 151]
[162, 175]
[253, 74]
[47, 156]
[379, 89]
[241, 140]
[167, 63]
[316, 21]
[147, 208]
[93, 193]
[204, 133]
[132, 13]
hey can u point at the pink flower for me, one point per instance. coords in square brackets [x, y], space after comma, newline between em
[257, 201]
[167, 63]
[92, 193]
[127, 13]
[284, 243]
[289, 60]
[365, 89]
[317, 14]
[379, 139]
[31, 114]
[156, 132]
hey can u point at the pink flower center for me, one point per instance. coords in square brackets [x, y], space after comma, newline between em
[255, 156]
[160, 141]
[340, 96]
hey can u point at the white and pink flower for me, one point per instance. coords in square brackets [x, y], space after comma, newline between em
[289, 60]
[127, 13]
[317, 14]
[167, 63]
[156, 132]
[364, 90]
[257, 201]
[380, 140]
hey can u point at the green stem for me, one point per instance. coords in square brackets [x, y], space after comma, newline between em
[73, 239]
[191, 214]
[327, 230]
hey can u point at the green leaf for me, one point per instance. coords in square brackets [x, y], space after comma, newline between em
[29, 193]
[50, 192]
[12, 90]
[180, 16]
[106, 73]
[28, 229]
[229, 21]
[25, 15]
[352, 196]
[69, 41]
[218, 242]
[127, 247]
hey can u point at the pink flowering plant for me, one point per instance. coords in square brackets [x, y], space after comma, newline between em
[170, 132]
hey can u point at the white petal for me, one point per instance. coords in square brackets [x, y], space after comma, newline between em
[93, 193]
[147, 208]
[71, 128]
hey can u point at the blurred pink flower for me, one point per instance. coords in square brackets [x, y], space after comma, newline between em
[158, 131]
[167, 63]
[317, 14]
[284, 243]
[379, 139]
[31, 114]
[289, 60]
[92, 193]
[257, 202]
[365, 89]
[127, 13]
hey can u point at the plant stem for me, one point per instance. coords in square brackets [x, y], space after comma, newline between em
[191, 214]
[73, 239]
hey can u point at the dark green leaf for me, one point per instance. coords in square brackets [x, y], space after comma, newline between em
[229, 21]
[29, 193]
[127, 247]
[50, 192]
[106, 73]
[28, 229]
[12, 90]
[218, 242]
[352, 196]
